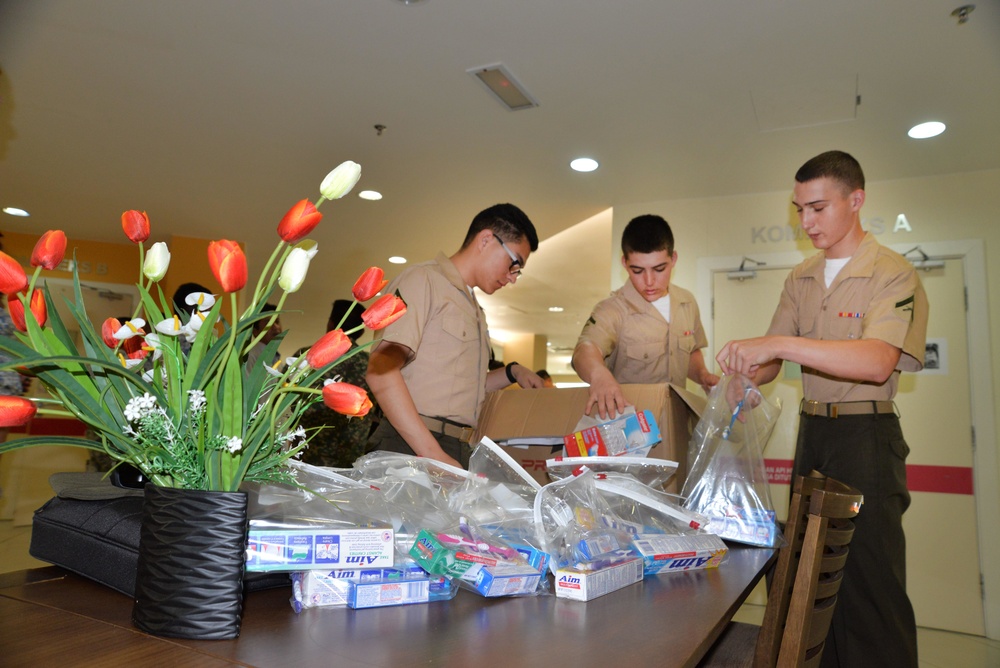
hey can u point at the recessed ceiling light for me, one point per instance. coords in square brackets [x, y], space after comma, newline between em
[556, 309]
[926, 130]
[370, 195]
[14, 211]
[584, 164]
[397, 259]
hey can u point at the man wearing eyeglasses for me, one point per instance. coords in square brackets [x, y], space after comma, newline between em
[429, 369]
[648, 331]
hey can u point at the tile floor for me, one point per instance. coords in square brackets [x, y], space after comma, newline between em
[937, 649]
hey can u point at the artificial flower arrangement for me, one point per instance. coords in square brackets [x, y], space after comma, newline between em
[177, 401]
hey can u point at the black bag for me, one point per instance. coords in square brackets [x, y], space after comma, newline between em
[99, 539]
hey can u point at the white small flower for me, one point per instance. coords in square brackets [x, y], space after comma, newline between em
[152, 344]
[234, 444]
[131, 328]
[196, 399]
[139, 406]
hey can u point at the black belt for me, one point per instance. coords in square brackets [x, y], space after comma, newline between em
[448, 428]
[847, 408]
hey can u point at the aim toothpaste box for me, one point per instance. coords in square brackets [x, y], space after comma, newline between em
[578, 585]
[319, 549]
[666, 554]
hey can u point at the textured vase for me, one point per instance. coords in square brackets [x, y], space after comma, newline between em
[192, 548]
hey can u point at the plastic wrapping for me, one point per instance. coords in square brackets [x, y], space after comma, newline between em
[651, 472]
[478, 561]
[630, 433]
[335, 523]
[575, 526]
[643, 510]
[727, 481]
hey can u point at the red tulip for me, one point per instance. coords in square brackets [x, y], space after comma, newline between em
[331, 345]
[228, 263]
[299, 222]
[12, 276]
[135, 348]
[49, 250]
[108, 329]
[37, 306]
[387, 310]
[136, 225]
[15, 411]
[369, 284]
[347, 399]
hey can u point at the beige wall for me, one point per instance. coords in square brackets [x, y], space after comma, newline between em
[944, 208]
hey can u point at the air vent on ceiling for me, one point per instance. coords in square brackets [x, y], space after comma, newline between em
[502, 84]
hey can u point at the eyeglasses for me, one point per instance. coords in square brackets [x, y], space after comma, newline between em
[515, 262]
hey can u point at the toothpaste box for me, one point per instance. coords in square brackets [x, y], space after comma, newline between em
[631, 434]
[746, 525]
[381, 593]
[580, 585]
[313, 589]
[487, 573]
[664, 554]
[321, 549]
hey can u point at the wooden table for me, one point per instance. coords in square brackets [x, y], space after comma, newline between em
[49, 616]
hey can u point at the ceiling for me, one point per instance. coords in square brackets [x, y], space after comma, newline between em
[216, 115]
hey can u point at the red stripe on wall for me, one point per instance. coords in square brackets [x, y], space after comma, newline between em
[919, 477]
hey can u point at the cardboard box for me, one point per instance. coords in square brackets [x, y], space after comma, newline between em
[318, 549]
[554, 412]
[666, 554]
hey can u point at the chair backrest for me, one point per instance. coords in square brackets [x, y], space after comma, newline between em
[803, 592]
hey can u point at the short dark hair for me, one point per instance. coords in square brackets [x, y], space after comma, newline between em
[837, 165]
[337, 314]
[507, 221]
[647, 233]
[259, 325]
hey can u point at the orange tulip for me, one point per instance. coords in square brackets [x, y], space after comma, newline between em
[108, 329]
[331, 345]
[49, 250]
[136, 225]
[300, 220]
[16, 411]
[12, 276]
[369, 284]
[228, 263]
[387, 310]
[37, 306]
[346, 399]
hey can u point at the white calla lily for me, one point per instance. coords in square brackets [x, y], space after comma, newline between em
[170, 326]
[157, 262]
[131, 328]
[340, 181]
[203, 300]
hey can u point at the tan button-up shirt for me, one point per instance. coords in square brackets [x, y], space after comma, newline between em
[877, 295]
[445, 329]
[638, 345]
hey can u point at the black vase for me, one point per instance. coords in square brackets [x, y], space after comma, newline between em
[192, 548]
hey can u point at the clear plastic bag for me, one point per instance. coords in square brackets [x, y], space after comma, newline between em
[576, 527]
[651, 472]
[643, 510]
[727, 481]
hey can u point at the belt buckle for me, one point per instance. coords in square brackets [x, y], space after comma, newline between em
[811, 407]
[466, 435]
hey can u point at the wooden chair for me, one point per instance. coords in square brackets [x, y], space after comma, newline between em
[804, 587]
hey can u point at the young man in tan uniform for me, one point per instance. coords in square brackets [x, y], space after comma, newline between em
[428, 370]
[647, 331]
[854, 316]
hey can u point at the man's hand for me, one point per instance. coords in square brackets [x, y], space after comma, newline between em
[526, 377]
[746, 356]
[606, 394]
